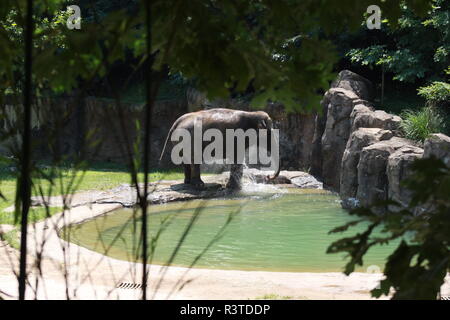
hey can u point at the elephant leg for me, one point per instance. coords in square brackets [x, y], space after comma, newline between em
[236, 173]
[195, 176]
[187, 173]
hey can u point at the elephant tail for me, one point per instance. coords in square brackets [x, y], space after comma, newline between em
[175, 124]
[165, 143]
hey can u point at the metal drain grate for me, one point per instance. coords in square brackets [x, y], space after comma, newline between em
[129, 285]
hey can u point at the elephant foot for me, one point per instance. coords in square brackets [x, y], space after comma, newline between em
[197, 183]
[187, 181]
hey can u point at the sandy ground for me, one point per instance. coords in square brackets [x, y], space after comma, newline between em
[74, 272]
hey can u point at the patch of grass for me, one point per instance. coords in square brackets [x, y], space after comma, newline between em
[418, 125]
[97, 177]
[100, 178]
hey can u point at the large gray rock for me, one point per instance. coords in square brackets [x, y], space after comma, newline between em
[399, 169]
[354, 82]
[363, 116]
[372, 178]
[336, 133]
[438, 145]
[307, 182]
[300, 179]
[358, 140]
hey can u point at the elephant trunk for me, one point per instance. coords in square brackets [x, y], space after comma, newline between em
[275, 175]
[274, 148]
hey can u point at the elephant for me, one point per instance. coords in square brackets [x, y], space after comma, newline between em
[221, 119]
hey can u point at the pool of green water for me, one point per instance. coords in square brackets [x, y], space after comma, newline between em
[271, 232]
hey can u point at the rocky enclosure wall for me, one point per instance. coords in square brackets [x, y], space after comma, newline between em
[94, 128]
[359, 152]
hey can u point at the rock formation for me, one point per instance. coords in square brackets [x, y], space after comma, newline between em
[363, 116]
[361, 86]
[438, 145]
[336, 133]
[359, 151]
[372, 177]
[359, 139]
[336, 123]
[399, 169]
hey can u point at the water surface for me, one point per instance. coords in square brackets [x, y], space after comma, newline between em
[271, 232]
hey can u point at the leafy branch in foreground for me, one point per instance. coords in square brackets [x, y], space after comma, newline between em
[418, 266]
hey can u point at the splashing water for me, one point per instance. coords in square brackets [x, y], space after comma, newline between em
[250, 185]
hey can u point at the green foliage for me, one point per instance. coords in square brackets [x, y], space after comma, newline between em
[62, 57]
[419, 124]
[274, 47]
[418, 49]
[417, 268]
[436, 94]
